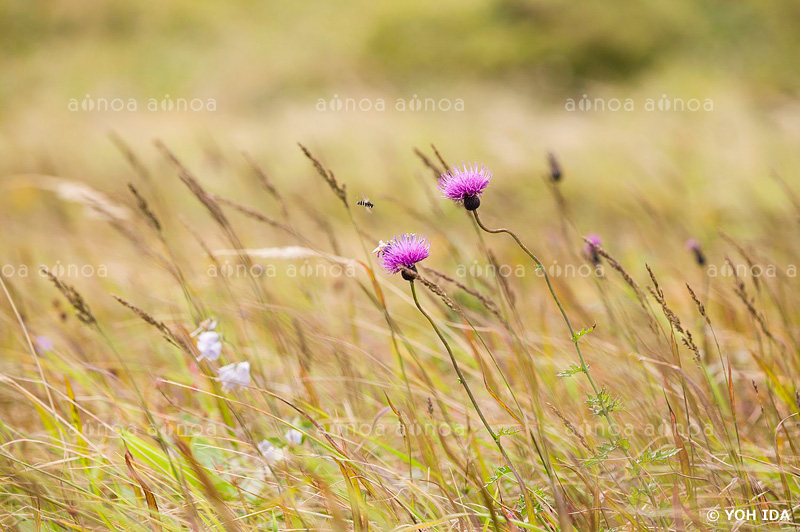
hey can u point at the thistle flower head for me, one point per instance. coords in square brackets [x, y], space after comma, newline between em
[555, 167]
[590, 250]
[233, 376]
[465, 184]
[209, 345]
[694, 246]
[403, 251]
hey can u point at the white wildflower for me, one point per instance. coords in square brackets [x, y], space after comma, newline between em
[234, 376]
[294, 437]
[271, 453]
[209, 345]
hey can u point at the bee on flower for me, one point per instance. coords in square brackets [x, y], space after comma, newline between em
[402, 253]
[382, 246]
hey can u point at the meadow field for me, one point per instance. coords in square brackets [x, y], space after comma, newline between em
[245, 284]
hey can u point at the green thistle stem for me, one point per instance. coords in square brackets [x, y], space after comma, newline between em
[462, 379]
[584, 368]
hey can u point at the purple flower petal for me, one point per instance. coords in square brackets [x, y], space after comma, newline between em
[403, 251]
[469, 180]
[590, 250]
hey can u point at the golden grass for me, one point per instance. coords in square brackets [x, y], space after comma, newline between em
[109, 421]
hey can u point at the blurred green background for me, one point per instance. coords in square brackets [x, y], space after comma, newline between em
[257, 51]
[513, 63]
[643, 179]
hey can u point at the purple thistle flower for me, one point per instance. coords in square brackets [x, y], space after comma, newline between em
[694, 246]
[403, 251]
[590, 251]
[465, 185]
[555, 168]
[43, 344]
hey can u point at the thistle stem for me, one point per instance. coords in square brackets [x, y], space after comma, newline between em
[584, 368]
[462, 379]
[550, 288]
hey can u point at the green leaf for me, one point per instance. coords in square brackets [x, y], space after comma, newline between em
[659, 455]
[602, 453]
[603, 403]
[573, 369]
[582, 332]
[507, 431]
[501, 472]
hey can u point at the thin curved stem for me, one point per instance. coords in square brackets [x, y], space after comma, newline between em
[549, 287]
[462, 379]
[584, 368]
